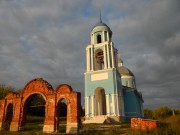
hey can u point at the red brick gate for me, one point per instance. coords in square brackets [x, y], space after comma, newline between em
[13, 107]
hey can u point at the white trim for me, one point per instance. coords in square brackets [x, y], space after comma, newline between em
[100, 76]
[126, 76]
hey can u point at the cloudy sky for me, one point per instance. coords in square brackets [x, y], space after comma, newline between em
[47, 38]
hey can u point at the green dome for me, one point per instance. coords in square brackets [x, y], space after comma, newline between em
[125, 71]
[100, 25]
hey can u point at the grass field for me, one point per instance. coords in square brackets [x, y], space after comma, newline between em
[168, 126]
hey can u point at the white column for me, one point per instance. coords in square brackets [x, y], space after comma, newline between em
[103, 38]
[113, 105]
[105, 58]
[87, 106]
[108, 36]
[108, 55]
[112, 54]
[93, 39]
[117, 105]
[88, 59]
[107, 105]
[92, 99]
[92, 59]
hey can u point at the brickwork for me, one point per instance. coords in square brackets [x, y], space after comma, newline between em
[143, 124]
[52, 98]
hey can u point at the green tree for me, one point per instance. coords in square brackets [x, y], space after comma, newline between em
[148, 113]
[162, 112]
[4, 90]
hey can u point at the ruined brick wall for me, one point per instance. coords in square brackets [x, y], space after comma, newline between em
[52, 97]
[143, 124]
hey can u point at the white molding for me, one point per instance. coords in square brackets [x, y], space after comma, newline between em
[100, 76]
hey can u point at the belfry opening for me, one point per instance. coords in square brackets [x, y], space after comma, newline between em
[99, 63]
[99, 40]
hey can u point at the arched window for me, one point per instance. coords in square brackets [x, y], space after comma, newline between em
[99, 62]
[99, 39]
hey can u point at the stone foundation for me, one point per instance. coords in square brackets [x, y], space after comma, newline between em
[48, 128]
[1, 126]
[72, 128]
[14, 127]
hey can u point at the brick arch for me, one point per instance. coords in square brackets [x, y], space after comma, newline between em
[72, 98]
[37, 85]
[25, 106]
[52, 97]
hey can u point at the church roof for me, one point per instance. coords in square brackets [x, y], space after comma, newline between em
[101, 24]
[125, 71]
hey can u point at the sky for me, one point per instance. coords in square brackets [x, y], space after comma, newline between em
[47, 39]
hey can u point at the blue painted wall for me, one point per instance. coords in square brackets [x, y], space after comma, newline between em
[110, 85]
[133, 104]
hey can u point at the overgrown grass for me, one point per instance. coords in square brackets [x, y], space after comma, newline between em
[168, 126]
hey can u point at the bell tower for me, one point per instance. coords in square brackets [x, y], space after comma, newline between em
[103, 90]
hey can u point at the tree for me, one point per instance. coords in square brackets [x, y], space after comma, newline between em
[148, 113]
[162, 112]
[4, 90]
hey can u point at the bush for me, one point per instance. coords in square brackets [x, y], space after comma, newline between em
[162, 112]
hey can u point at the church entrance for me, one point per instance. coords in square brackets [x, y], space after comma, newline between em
[100, 101]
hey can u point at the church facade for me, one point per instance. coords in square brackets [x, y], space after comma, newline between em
[110, 88]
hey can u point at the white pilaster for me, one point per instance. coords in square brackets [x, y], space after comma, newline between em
[105, 58]
[112, 54]
[107, 105]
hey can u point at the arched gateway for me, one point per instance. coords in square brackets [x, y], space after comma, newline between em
[15, 105]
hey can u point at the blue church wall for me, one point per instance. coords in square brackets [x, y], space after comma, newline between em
[110, 85]
[133, 104]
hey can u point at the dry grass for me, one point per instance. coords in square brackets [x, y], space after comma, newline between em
[168, 126]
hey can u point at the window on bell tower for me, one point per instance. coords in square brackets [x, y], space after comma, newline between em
[99, 39]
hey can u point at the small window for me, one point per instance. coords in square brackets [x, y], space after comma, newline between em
[99, 39]
[105, 36]
[127, 83]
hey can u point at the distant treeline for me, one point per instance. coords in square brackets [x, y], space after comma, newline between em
[160, 113]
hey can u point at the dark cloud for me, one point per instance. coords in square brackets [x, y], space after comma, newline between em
[43, 38]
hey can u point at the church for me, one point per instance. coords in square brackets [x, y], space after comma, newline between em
[110, 87]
